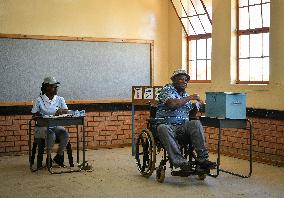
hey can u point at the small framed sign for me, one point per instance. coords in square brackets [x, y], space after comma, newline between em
[149, 93]
[138, 93]
[145, 94]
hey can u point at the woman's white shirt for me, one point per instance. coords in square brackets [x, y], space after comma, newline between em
[45, 106]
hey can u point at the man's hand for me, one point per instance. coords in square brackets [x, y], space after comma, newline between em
[176, 103]
[201, 102]
[194, 97]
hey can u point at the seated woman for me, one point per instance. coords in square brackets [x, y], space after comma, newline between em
[48, 103]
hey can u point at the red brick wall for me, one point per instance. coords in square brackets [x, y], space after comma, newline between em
[110, 129]
[268, 141]
[13, 135]
[113, 129]
[102, 129]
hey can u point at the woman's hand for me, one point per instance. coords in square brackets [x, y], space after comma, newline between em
[60, 112]
[36, 115]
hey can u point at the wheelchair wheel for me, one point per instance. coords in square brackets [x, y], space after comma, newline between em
[145, 153]
[160, 174]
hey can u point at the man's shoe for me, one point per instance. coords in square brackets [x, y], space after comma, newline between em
[59, 159]
[206, 164]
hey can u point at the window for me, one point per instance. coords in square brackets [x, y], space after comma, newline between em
[200, 41]
[195, 16]
[253, 41]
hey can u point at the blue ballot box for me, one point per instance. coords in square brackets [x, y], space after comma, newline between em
[225, 105]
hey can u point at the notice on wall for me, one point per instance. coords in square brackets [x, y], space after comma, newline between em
[138, 93]
[149, 93]
[145, 94]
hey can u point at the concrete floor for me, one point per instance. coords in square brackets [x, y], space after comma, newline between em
[115, 175]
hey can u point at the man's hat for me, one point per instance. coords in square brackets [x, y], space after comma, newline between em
[50, 80]
[180, 72]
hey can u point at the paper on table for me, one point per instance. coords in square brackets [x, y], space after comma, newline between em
[59, 116]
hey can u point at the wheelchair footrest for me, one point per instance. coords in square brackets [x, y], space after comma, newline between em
[182, 173]
[202, 171]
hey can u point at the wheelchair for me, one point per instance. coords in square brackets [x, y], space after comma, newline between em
[148, 146]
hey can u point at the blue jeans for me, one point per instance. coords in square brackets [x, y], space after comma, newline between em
[189, 132]
[54, 133]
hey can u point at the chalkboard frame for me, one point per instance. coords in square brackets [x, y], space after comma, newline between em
[82, 39]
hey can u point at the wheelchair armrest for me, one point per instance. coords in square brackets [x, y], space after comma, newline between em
[154, 120]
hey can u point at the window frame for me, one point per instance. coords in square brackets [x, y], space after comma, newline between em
[249, 32]
[196, 38]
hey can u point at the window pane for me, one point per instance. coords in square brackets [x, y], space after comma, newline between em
[183, 13]
[192, 29]
[209, 70]
[209, 48]
[201, 49]
[201, 70]
[198, 6]
[266, 44]
[256, 45]
[191, 11]
[244, 46]
[244, 16]
[197, 25]
[209, 11]
[243, 3]
[178, 7]
[252, 2]
[256, 69]
[266, 69]
[206, 23]
[266, 15]
[192, 50]
[186, 24]
[255, 17]
[244, 70]
[192, 70]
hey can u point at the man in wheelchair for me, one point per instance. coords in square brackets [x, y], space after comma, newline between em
[174, 125]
